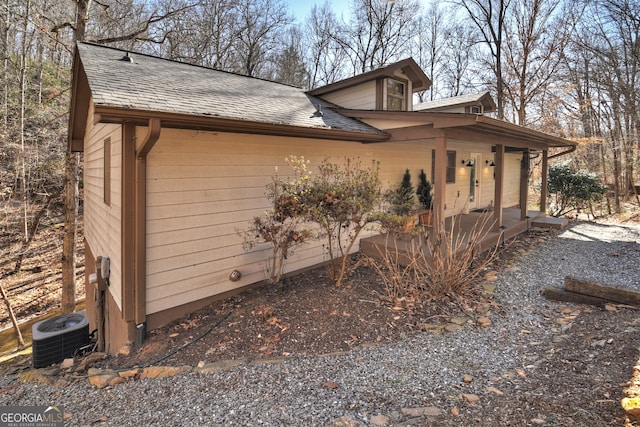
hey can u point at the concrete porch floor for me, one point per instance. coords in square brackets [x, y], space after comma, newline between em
[464, 226]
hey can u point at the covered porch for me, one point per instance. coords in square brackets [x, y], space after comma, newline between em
[462, 226]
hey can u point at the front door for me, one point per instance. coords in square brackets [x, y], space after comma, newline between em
[474, 181]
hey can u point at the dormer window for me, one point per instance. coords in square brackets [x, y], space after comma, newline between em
[396, 95]
[475, 109]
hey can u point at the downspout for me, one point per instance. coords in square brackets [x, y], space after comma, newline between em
[142, 149]
[562, 153]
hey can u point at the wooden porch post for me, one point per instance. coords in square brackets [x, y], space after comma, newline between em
[440, 184]
[499, 171]
[524, 184]
[544, 190]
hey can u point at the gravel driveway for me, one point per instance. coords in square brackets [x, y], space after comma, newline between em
[521, 370]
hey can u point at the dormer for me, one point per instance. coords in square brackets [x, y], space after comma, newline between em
[476, 103]
[389, 88]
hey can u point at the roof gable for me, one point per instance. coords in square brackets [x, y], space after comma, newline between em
[481, 98]
[408, 66]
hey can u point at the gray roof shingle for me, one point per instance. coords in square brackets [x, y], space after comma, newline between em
[160, 85]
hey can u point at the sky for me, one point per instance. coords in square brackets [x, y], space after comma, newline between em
[302, 8]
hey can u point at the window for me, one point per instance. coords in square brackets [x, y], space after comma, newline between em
[475, 109]
[451, 166]
[107, 171]
[395, 95]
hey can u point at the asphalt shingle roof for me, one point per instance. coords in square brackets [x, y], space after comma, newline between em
[155, 84]
[449, 102]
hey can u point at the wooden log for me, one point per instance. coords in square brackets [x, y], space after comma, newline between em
[558, 294]
[600, 290]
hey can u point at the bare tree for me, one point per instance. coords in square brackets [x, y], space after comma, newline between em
[263, 22]
[536, 35]
[324, 55]
[489, 17]
[289, 66]
[379, 32]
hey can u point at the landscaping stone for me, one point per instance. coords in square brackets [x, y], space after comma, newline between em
[379, 420]
[100, 378]
[471, 398]
[223, 365]
[163, 371]
[429, 411]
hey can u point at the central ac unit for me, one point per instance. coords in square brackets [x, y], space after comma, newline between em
[58, 338]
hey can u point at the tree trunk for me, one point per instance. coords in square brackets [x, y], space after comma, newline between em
[71, 193]
[69, 238]
[604, 177]
[23, 78]
[5, 65]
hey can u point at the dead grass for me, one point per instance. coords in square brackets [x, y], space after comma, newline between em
[434, 265]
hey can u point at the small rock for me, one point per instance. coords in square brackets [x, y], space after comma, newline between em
[452, 327]
[100, 378]
[432, 327]
[223, 365]
[125, 350]
[117, 380]
[201, 364]
[494, 391]
[484, 321]
[471, 398]
[330, 385]
[459, 320]
[379, 420]
[429, 411]
[538, 421]
[163, 371]
[90, 360]
[346, 421]
[67, 363]
[631, 405]
[130, 373]
[455, 411]
[467, 378]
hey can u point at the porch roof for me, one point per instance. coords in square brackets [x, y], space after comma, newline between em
[460, 126]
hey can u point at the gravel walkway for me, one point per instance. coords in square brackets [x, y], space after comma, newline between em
[369, 386]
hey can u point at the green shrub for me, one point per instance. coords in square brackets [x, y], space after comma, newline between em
[571, 189]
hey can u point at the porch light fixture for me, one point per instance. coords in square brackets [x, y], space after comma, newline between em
[469, 163]
[492, 164]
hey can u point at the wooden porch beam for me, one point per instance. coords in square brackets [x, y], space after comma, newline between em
[440, 184]
[545, 184]
[477, 136]
[499, 171]
[524, 184]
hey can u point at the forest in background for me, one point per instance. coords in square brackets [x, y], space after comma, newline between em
[568, 68]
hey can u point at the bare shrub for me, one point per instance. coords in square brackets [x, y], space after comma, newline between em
[434, 265]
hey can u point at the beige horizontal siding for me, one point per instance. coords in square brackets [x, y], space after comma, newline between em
[205, 188]
[362, 96]
[102, 223]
